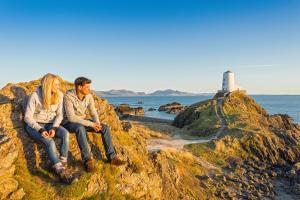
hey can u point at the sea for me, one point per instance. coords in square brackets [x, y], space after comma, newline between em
[274, 104]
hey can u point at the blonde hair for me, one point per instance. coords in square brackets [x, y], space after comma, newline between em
[49, 97]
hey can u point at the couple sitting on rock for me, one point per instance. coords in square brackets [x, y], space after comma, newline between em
[44, 118]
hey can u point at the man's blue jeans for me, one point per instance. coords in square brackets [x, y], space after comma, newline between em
[81, 136]
[49, 143]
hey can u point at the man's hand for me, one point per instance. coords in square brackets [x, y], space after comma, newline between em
[97, 126]
[51, 133]
[45, 134]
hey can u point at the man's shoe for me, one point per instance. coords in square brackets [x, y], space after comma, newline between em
[116, 161]
[89, 166]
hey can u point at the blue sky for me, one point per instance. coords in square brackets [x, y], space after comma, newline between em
[145, 45]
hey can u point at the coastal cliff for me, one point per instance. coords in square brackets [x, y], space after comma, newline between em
[254, 151]
[243, 162]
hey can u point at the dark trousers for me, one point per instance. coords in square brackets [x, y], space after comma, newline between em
[81, 136]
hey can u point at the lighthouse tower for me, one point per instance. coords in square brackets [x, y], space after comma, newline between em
[228, 82]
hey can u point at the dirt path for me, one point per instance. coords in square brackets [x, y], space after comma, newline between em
[158, 144]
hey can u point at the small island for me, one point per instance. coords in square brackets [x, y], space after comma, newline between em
[172, 108]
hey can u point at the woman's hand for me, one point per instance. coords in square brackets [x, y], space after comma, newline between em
[51, 133]
[45, 134]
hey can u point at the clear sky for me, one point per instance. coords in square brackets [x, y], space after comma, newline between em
[145, 45]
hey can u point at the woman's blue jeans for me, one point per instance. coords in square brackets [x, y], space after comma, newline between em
[49, 143]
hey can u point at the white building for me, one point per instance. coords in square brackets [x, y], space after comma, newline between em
[228, 82]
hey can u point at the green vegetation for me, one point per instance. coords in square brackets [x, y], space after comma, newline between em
[34, 186]
[242, 112]
[75, 190]
[199, 119]
[206, 152]
[245, 118]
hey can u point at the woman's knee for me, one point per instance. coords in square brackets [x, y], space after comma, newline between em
[49, 143]
[65, 134]
[29, 130]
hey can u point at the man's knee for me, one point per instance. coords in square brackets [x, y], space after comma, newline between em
[104, 128]
[80, 129]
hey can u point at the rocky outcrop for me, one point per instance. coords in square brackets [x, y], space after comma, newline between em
[151, 109]
[9, 186]
[257, 148]
[171, 108]
[32, 176]
[125, 109]
[294, 178]
[32, 171]
[199, 119]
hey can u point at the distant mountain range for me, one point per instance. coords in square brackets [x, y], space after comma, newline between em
[119, 93]
[167, 92]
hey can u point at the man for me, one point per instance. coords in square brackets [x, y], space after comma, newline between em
[76, 102]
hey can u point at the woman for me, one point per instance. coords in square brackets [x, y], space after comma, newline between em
[44, 113]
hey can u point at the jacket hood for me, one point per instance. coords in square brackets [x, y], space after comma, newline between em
[71, 94]
[39, 93]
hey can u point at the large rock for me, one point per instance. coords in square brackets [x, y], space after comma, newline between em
[151, 109]
[8, 155]
[199, 119]
[7, 186]
[172, 108]
[19, 194]
[125, 109]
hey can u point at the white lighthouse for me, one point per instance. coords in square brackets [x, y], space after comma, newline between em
[228, 82]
